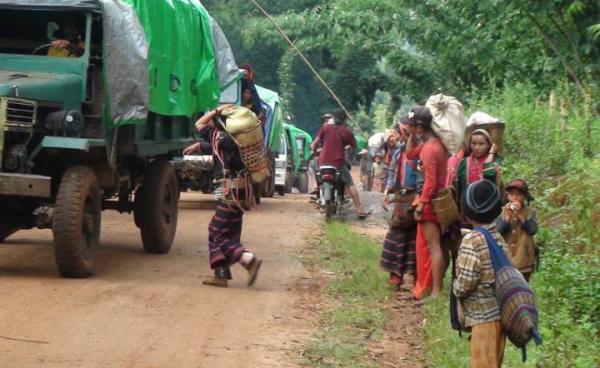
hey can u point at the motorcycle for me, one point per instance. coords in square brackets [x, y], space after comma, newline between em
[331, 190]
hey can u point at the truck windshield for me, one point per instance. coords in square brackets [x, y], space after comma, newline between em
[32, 32]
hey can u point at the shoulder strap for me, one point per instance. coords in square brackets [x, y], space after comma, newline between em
[497, 255]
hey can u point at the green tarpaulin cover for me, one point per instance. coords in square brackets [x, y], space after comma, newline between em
[182, 70]
[293, 133]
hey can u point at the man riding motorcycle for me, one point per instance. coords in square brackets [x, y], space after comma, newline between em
[334, 139]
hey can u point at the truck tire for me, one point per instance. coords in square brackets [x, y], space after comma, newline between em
[155, 208]
[289, 181]
[8, 223]
[268, 186]
[76, 222]
[303, 182]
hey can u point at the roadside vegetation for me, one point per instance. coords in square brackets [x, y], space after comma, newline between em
[355, 297]
[553, 149]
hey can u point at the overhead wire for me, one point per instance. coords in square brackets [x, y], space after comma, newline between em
[355, 124]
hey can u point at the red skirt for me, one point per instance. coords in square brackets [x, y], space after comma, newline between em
[424, 279]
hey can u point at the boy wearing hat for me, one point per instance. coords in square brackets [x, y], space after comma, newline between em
[474, 284]
[518, 225]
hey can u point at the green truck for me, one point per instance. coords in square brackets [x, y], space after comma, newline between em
[298, 143]
[273, 126]
[81, 134]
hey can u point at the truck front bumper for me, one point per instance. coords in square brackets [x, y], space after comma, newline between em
[24, 185]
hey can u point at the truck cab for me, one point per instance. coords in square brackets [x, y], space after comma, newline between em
[95, 127]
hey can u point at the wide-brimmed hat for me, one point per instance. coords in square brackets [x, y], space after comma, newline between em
[521, 185]
[362, 152]
[482, 201]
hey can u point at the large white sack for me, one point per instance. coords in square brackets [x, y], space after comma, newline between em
[449, 122]
[376, 140]
[481, 118]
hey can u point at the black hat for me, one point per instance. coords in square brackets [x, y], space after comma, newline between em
[421, 115]
[482, 202]
[521, 185]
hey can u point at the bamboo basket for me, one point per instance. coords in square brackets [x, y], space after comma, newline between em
[445, 208]
[252, 151]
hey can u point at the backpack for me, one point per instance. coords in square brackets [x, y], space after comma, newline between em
[515, 298]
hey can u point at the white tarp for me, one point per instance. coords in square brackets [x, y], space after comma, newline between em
[125, 61]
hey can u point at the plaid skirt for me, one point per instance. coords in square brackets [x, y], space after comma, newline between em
[398, 255]
[224, 235]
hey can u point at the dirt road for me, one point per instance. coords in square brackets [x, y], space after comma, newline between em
[142, 310]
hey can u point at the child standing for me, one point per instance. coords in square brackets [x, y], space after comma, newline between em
[475, 278]
[379, 174]
[518, 225]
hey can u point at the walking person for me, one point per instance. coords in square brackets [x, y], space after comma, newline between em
[475, 278]
[398, 255]
[518, 225]
[225, 228]
[433, 156]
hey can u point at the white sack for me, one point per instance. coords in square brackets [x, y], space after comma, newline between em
[449, 122]
[376, 140]
[481, 118]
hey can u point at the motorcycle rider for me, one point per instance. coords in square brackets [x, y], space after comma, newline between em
[334, 139]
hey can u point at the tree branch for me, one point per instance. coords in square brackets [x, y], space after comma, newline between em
[554, 48]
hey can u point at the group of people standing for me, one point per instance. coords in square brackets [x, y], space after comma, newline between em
[418, 248]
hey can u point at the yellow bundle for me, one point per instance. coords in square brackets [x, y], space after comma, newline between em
[243, 126]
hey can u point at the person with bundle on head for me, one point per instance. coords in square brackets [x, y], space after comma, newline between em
[481, 161]
[433, 157]
[236, 195]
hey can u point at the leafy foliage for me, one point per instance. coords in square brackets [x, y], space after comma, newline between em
[412, 47]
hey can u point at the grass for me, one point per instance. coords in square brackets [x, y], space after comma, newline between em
[356, 294]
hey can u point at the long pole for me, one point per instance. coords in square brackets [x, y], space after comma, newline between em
[312, 69]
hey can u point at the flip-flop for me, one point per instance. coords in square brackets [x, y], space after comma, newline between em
[362, 215]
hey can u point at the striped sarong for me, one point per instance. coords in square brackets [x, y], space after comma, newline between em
[224, 235]
[398, 256]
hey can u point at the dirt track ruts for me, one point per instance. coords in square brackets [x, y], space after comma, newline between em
[144, 310]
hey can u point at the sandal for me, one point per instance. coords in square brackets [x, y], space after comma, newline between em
[222, 274]
[253, 269]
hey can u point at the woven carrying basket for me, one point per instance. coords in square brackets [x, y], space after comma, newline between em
[252, 151]
[445, 208]
[497, 132]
